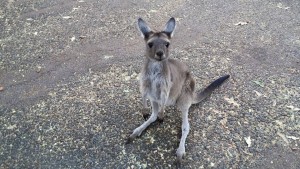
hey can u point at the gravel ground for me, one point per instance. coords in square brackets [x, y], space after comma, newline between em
[69, 84]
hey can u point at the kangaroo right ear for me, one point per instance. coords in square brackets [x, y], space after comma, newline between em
[170, 26]
[144, 28]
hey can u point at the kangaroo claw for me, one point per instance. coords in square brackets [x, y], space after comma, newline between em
[146, 116]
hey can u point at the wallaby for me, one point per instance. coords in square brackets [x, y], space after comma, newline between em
[165, 81]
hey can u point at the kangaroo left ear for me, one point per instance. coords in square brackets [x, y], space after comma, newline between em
[144, 28]
[170, 27]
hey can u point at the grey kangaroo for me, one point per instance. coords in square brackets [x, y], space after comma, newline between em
[165, 81]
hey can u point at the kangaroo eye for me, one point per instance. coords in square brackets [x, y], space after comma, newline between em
[167, 44]
[150, 44]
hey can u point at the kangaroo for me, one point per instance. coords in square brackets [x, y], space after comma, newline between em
[165, 81]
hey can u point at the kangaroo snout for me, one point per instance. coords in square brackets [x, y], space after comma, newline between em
[160, 55]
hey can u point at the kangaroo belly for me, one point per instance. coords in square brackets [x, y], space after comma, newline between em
[158, 89]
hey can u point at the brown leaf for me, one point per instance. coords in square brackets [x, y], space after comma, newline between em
[241, 23]
[248, 141]
[67, 17]
[283, 137]
[232, 101]
[281, 6]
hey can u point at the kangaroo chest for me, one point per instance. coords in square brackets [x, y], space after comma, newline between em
[156, 82]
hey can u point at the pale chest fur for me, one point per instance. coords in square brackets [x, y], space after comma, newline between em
[156, 82]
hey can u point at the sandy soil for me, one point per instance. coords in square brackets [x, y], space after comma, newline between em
[69, 84]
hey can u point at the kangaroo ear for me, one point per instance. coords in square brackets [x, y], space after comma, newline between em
[144, 28]
[170, 26]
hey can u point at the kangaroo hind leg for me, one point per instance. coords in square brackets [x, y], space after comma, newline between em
[138, 131]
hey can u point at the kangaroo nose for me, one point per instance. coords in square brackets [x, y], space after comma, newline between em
[159, 53]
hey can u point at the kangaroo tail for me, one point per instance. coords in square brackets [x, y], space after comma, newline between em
[199, 96]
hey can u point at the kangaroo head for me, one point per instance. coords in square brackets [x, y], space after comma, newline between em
[157, 43]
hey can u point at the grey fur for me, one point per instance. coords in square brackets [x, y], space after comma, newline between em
[166, 81]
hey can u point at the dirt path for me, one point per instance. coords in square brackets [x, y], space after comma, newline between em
[69, 97]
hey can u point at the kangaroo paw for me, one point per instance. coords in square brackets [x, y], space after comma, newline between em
[159, 120]
[129, 140]
[146, 116]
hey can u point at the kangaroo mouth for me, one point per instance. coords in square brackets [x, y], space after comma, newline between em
[160, 58]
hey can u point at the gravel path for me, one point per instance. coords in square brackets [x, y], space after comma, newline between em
[69, 84]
